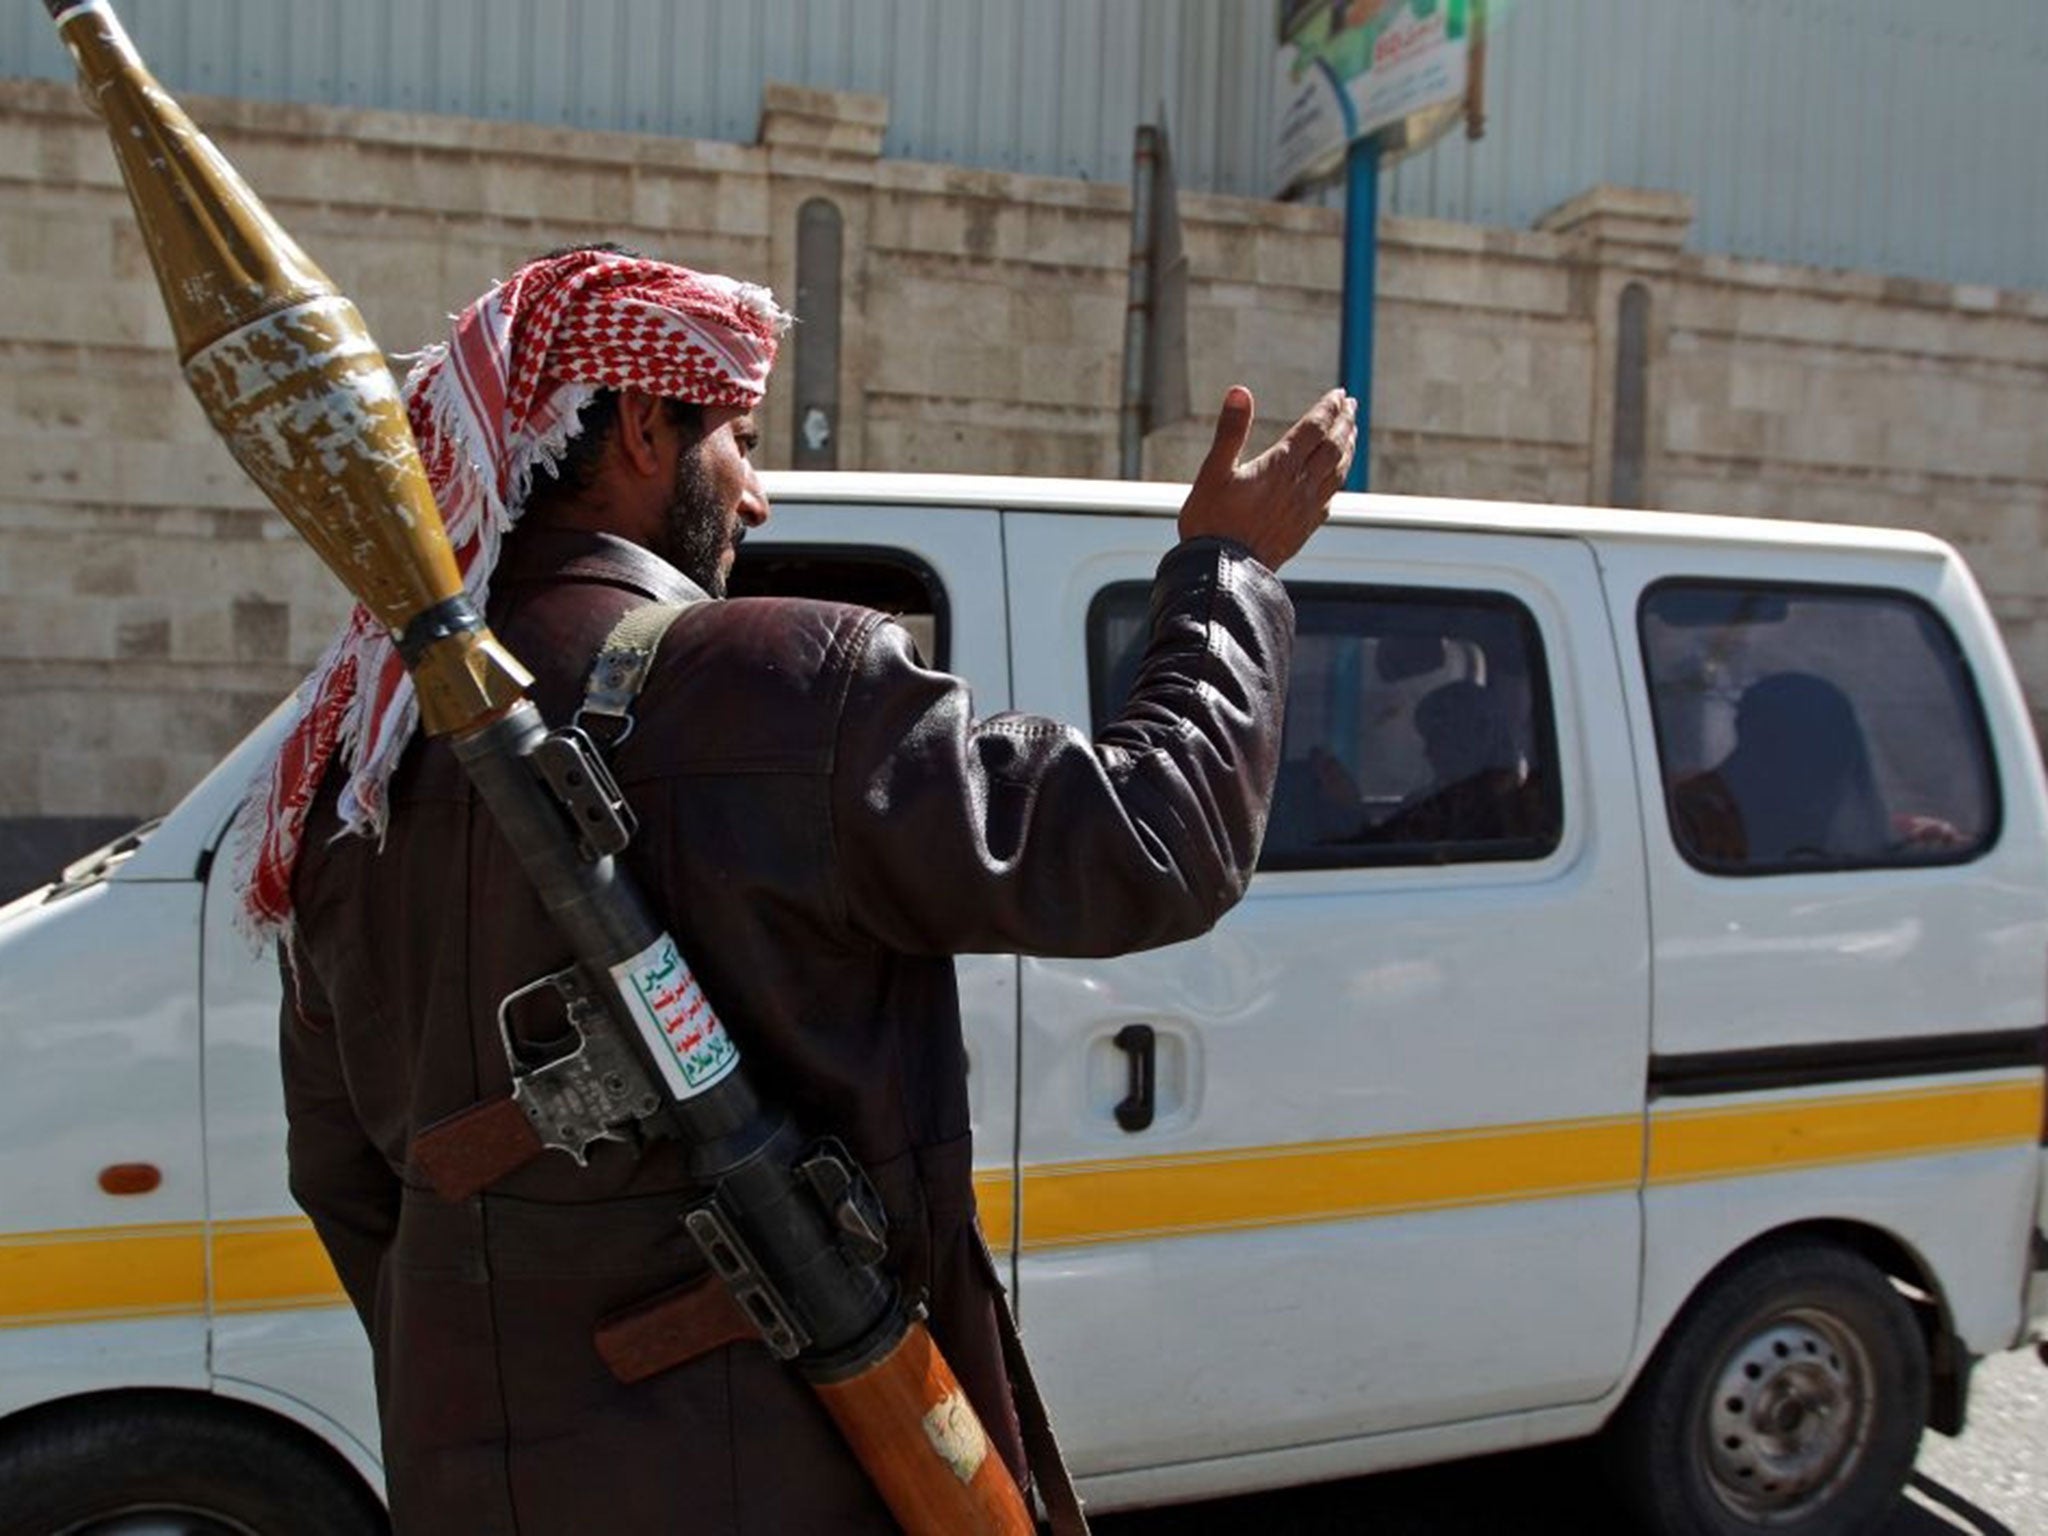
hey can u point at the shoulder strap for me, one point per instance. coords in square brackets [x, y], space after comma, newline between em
[619, 671]
[1049, 1472]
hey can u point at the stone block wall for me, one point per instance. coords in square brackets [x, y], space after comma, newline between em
[151, 608]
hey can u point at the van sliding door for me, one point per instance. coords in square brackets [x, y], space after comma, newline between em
[1366, 1157]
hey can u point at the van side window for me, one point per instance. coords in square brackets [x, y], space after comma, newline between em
[1813, 728]
[1418, 725]
[891, 581]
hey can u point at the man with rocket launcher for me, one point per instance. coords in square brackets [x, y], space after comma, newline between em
[754, 1295]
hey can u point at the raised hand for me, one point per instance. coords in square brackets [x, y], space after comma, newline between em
[1274, 502]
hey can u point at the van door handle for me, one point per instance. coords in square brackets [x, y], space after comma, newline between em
[1137, 1041]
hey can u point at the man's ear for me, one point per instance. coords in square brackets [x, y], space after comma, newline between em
[640, 420]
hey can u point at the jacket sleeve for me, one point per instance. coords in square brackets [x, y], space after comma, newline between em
[338, 1176]
[1018, 833]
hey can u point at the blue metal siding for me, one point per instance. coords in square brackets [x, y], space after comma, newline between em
[1898, 136]
[1054, 87]
[1903, 136]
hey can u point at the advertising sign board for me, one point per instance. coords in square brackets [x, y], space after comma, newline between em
[1348, 69]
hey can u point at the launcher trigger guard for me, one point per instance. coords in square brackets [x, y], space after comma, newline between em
[591, 1089]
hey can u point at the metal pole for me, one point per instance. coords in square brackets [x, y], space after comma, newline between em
[1361, 263]
[1131, 418]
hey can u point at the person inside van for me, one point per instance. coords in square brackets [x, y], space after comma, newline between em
[1797, 788]
[1480, 789]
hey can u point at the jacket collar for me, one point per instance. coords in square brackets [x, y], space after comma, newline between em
[540, 553]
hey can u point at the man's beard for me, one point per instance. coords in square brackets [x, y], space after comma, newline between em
[694, 529]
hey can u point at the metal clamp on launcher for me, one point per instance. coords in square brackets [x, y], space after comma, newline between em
[568, 762]
[582, 1082]
[690, 1320]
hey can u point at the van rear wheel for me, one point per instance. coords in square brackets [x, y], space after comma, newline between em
[175, 1464]
[1788, 1398]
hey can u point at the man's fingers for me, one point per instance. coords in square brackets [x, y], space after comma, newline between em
[1233, 427]
[1321, 443]
[1330, 413]
[1274, 501]
[1324, 455]
[1330, 421]
[1342, 438]
[1341, 450]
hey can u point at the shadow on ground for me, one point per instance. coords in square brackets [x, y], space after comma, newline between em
[1551, 1492]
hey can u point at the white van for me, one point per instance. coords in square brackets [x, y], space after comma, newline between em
[1637, 1021]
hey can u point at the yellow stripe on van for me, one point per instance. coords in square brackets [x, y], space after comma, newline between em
[1687, 1145]
[261, 1266]
[992, 1191]
[1067, 1204]
[98, 1273]
[1074, 1204]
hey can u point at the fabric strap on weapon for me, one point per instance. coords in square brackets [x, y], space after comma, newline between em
[1049, 1474]
[619, 672]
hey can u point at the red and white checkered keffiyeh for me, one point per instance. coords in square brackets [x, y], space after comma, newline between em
[500, 399]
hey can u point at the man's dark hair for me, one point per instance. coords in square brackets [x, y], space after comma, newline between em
[576, 470]
[603, 247]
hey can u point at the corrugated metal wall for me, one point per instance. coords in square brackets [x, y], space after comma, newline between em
[1048, 86]
[1905, 136]
[1899, 136]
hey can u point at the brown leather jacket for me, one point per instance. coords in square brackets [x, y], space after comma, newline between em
[823, 825]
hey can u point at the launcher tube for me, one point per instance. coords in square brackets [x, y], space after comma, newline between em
[289, 376]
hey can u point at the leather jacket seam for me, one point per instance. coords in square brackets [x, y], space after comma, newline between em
[849, 652]
[1212, 637]
[1022, 729]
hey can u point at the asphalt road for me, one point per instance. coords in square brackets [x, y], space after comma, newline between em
[1993, 1481]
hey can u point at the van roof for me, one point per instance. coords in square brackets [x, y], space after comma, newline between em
[1146, 498]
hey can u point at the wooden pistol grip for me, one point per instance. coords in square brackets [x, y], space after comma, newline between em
[473, 1149]
[923, 1445]
[671, 1329]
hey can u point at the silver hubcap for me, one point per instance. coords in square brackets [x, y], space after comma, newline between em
[1790, 1418]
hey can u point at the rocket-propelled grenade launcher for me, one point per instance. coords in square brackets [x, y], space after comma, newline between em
[290, 377]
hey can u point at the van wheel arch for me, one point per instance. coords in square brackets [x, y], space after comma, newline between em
[1948, 1362]
[1762, 1403]
[238, 1465]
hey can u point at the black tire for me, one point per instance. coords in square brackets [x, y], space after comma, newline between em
[1788, 1398]
[175, 1464]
